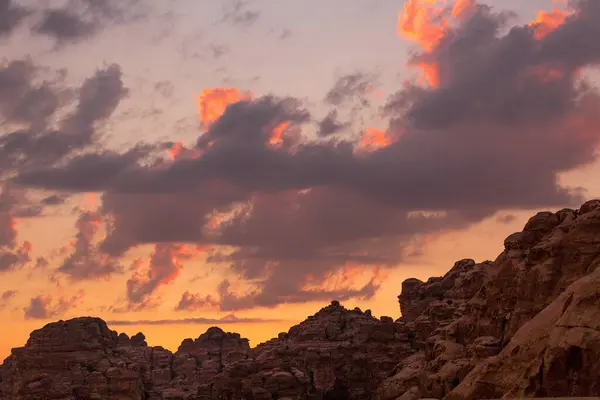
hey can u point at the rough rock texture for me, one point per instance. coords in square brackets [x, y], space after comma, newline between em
[474, 312]
[337, 353]
[556, 353]
[526, 324]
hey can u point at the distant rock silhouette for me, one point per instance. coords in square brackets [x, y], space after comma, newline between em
[526, 324]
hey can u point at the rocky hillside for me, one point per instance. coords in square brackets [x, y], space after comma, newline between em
[526, 324]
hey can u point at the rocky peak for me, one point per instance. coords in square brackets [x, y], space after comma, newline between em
[85, 333]
[331, 323]
[215, 340]
[460, 284]
[137, 340]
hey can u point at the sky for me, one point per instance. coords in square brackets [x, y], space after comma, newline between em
[170, 166]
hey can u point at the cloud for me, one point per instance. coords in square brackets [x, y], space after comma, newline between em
[8, 295]
[164, 267]
[12, 203]
[278, 291]
[89, 172]
[507, 113]
[351, 88]
[84, 19]
[6, 298]
[63, 24]
[8, 233]
[236, 13]
[29, 104]
[23, 101]
[85, 261]
[230, 319]
[10, 260]
[76, 21]
[44, 307]
[330, 124]
[11, 15]
[54, 200]
[35, 146]
[195, 302]
[506, 219]
[217, 51]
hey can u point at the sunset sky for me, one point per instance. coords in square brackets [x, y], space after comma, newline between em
[172, 165]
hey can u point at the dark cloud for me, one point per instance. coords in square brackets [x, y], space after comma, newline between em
[217, 51]
[6, 298]
[63, 24]
[229, 319]
[330, 125]
[285, 33]
[54, 200]
[75, 21]
[8, 295]
[351, 88]
[195, 302]
[236, 13]
[41, 262]
[22, 101]
[88, 172]
[510, 114]
[12, 259]
[83, 19]
[98, 98]
[85, 261]
[12, 255]
[164, 267]
[506, 219]
[11, 15]
[44, 307]
[8, 232]
[165, 88]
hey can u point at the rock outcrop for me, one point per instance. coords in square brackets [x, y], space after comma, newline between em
[476, 311]
[336, 353]
[526, 324]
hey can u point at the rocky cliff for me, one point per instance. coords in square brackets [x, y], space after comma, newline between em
[526, 324]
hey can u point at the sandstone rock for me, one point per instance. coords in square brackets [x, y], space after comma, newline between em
[336, 352]
[469, 315]
[557, 353]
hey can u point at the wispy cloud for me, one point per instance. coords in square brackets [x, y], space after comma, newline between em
[229, 319]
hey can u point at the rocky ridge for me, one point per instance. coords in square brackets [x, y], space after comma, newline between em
[525, 324]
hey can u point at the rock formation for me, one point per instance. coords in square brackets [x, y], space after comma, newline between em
[526, 324]
[476, 313]
[336, 353]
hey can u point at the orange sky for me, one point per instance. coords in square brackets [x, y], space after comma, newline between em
[179, 100]
[480, 242]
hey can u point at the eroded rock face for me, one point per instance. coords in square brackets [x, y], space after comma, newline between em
[467, 317]
[555, 354]
[77, 359]
[525, 324]
[336, 353]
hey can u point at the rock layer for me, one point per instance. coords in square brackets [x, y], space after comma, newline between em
[525, 324]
